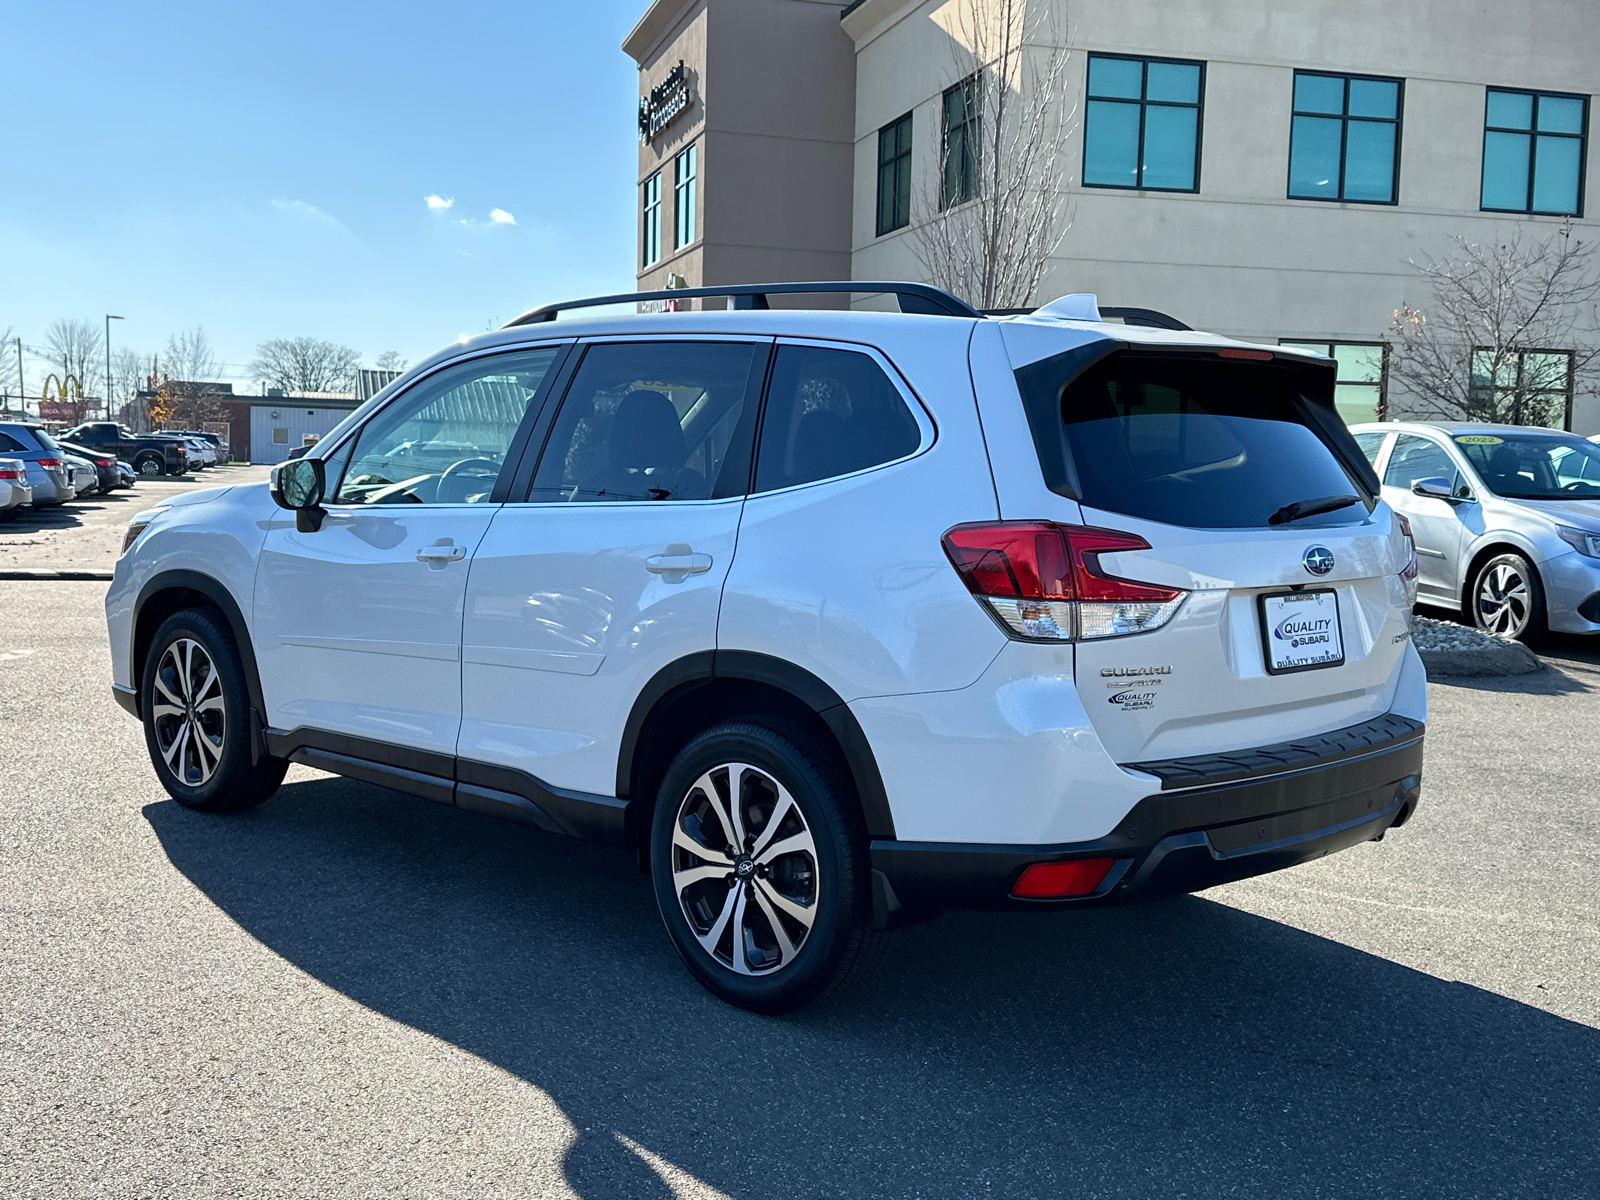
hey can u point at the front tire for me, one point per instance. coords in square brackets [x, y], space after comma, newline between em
[760, 864]
[196, 710]
[1508, 600]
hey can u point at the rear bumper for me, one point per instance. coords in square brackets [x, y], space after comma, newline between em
[1216, 819]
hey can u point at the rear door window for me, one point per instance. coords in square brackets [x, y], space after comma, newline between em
[1198, 442]
[646, 421]
[830, 412]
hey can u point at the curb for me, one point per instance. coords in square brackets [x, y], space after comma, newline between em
[1505, 658]
[55, 573]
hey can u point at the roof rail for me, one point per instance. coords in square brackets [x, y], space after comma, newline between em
[1147, 317]
[913, 298]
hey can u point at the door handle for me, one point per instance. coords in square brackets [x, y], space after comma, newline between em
[677, 562]
[441, 553]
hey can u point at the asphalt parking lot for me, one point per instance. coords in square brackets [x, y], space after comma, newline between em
[85, 535]
[353, 993]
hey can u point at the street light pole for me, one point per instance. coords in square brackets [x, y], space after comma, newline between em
[109, 319]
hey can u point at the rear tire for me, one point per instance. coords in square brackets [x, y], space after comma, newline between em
[196, 709]
[150, 465]
[765, 931]
[1507, 600]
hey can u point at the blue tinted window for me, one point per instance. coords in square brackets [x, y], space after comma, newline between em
[1111, 144]
[1369, 161]
[1142, 124]
[1533, 152]
[1120, 78]
[1344, 141]
[1314, 157]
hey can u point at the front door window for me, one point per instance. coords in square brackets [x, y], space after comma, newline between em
[446, 440]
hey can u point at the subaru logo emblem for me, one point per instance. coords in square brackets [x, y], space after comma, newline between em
[1318, 560]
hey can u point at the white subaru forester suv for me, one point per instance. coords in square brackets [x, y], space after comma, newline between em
[839, 617]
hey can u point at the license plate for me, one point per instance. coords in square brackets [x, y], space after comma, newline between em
[1300, 631]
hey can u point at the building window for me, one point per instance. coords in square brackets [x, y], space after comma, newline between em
[963, 142]
[280, 437]
[652, 218]
[894, 175]
[1533, 152]
[1361, 384]
[1528, 387]
[1142, 127]
[1345, 140]
[683, 171]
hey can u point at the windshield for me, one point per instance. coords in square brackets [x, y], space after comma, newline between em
[1534, 466]
[1204, 444]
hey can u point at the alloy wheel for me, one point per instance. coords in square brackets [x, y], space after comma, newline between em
[188, 712]
[149, 466]
[744, 869]
[1504, 603]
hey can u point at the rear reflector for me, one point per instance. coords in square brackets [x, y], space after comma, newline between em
[1043, 581]
[1058, 880]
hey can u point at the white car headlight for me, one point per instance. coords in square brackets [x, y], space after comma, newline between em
[1581, 540]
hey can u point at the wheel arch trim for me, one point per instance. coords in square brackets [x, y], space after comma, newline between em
[218, 594]
[708, 665]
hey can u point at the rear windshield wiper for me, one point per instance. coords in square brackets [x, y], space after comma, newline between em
[1310, 508]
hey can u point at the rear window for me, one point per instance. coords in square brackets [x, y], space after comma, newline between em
[46, 442]
[1200, 442]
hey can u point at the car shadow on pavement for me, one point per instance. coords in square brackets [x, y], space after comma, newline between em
[1179, 1048]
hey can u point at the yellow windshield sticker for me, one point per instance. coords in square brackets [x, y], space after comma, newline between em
[1479, 439]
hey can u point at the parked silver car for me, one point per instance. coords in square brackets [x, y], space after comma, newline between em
[14, 490]
[1506, 520]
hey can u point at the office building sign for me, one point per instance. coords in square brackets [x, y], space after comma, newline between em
[665, 104]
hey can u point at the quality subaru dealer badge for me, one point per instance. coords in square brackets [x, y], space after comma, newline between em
[1318, 560]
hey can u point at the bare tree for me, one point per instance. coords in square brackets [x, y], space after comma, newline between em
[189, 356]
[77, 348]
[129, 375]
[998, 212]
[305, 364]
[1513, 331]
[390, 360]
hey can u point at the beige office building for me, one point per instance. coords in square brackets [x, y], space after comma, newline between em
[1266, 170]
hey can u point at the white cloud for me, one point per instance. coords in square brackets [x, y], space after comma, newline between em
[501, 217]
[438, 203]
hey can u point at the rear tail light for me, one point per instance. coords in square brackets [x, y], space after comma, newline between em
[1043, 581]
[1408, 573]
[104, 462]
[1060, 880]
[17, 473]
[49, 464]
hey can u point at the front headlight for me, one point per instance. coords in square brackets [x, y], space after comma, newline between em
[1581, 540]
[140, 522]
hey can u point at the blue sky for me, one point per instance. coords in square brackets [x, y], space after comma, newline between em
[262, 170]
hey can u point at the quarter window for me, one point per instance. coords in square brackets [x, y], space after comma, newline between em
[653, 421]
[830, 412]
[445, 440]
[652, 219]
[1361, 387]
[1345, 140]
[683, 176]
[1142, 128]
[963, 143]
[894, 175]
[1533, 152]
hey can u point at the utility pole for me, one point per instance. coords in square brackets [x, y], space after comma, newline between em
[22, 385]
[109, 319]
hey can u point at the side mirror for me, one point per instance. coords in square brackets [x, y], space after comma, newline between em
[298, 485]
[1438, 489]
